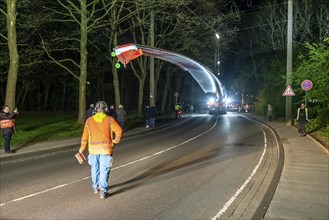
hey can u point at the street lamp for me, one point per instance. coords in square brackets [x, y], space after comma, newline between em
[217, 55]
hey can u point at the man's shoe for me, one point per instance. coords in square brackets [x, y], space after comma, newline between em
[96, 191]
[104, 195]
[9, 152]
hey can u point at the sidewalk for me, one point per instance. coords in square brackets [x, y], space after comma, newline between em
[303, 188]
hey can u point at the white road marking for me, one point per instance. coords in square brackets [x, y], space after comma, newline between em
[236, 194]
[44, 191]
[115, 168]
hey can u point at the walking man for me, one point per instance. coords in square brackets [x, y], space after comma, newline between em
[97, 134]
[147, 116]
[121, 116]
[89, 111]
[153, 114]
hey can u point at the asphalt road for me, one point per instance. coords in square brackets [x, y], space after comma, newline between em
[201, 168]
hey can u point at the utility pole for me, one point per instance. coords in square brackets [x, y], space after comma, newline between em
[289, 58]
[152, 61]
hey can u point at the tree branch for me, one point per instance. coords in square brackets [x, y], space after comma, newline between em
[59, 62]
[3, 12]
[69, 10]
[3, 36]
[107, 10]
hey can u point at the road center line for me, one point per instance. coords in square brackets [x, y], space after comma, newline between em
[115, 168]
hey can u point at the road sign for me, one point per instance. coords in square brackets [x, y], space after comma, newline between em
[307, 85]
[288, 91]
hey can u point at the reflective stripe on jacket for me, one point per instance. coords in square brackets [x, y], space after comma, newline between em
[178, 107]
[97, 134]
[7, 123]
[298, 113]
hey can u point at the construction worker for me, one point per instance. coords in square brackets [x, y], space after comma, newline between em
[97, 134]
[178, 110]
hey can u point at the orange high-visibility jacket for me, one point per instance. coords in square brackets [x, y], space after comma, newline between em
[97, 133]
[7, 123]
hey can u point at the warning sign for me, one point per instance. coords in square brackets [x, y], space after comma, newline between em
[288, 91]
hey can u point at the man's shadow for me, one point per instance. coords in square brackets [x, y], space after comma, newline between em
[159, 170]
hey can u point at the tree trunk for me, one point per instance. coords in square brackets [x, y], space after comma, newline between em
[63, 96]
[46, 91]
[182, 88]
[166, 91]
[83, 63]
[159, 65]
[13, 54]
[140, 97]
[141, 79]
[116, 85]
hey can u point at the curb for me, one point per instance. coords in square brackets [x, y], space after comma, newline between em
[34, 153]
[266, 201]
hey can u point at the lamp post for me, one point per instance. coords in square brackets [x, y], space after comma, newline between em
[289, 58]
[152, 90]
[217, 62]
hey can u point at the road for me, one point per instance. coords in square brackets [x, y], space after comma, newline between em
[202, 167]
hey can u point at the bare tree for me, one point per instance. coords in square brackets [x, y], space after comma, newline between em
[91, 15]
[13, 53]
[310, 23]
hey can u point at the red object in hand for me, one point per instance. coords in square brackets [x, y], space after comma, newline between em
[80, 157]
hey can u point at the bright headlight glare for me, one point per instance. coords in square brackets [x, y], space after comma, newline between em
[211, 100]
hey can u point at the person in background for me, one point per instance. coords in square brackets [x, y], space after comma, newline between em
[302, 118]
[147, 116]
[121, 114]
[100, 147]
[269, 112]
[90, 110]
[153, 114]
[7, 126]
[247, 107]
[191, 109]
[112, 112]
[178, 109]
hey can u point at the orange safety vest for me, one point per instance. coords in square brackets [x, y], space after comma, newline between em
[97, 134]
[7, 123]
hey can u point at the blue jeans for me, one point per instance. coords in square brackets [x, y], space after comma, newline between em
[7, 141]
[101, 165]
[152, 122]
